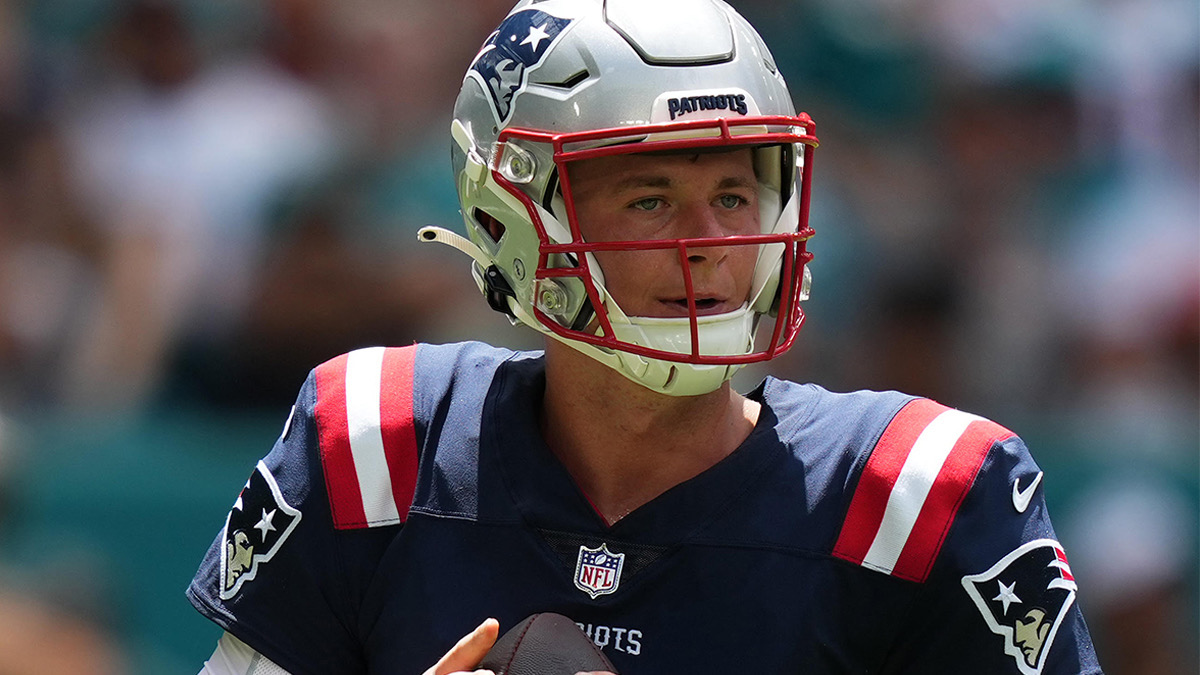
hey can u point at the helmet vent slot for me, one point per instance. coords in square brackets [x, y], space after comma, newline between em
[569, 82]
[490, 225]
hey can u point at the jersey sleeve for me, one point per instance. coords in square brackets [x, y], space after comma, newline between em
[952, 503]
[288, 571]
[1001, 594]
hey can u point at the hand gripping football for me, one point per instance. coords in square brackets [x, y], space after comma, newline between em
[545, 644]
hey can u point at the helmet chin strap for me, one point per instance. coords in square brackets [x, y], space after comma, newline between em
[487, 276]
[663, 377]
[719, 334]
[440, 235]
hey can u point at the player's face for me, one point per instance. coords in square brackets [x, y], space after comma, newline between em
[641, 197]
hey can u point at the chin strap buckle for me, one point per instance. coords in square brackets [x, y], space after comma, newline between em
[497, 291]
[487, 275]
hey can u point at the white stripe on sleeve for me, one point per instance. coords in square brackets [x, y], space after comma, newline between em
[916, 478]
[364, 370]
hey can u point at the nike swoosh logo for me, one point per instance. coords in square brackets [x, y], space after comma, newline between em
[1021, 498]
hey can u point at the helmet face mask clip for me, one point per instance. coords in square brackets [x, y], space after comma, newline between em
[516, 139]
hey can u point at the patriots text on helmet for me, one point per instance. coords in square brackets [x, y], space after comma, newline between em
[687, 104]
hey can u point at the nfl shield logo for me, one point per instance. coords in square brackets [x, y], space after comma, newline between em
[598, 570]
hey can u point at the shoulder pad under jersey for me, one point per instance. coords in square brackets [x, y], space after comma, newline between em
[910, 489]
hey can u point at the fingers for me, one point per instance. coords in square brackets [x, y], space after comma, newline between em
[470, 650]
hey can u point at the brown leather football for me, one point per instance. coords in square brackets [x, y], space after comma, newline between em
[545, 644]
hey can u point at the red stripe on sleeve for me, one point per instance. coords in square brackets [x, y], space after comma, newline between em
[946, 494]
[399, 427]
[879, 476]
[333, 433]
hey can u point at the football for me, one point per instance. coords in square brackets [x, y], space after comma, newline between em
[545, 644]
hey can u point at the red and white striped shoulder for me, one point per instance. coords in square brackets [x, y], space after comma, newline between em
[367, 435]
[916, 478]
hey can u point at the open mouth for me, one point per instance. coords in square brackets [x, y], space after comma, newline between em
[703, 305]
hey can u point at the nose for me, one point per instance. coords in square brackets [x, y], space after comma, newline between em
[700, 221]
[698, 255]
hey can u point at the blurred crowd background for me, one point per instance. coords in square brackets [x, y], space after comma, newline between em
[202, 199]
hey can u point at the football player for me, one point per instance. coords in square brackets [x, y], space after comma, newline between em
[634, 182]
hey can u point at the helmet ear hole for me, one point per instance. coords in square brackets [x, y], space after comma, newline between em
[493, 227]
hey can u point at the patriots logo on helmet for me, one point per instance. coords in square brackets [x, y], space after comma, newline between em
[256, 527]
[1024, 598]
[520, 44]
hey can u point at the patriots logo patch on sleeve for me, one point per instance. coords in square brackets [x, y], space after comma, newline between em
[518, 45]
[256, 527]
[1024, 598]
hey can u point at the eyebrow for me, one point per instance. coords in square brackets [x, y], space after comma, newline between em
[736, 181]
[654, 181]
[646, 180]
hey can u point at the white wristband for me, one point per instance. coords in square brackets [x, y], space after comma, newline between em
[234, 657]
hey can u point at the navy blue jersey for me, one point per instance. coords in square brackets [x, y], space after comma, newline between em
[411, 496]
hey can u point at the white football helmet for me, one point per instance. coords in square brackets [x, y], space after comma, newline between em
[565, 80]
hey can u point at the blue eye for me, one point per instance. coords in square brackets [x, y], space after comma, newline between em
[731, 201]
[647, 204]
